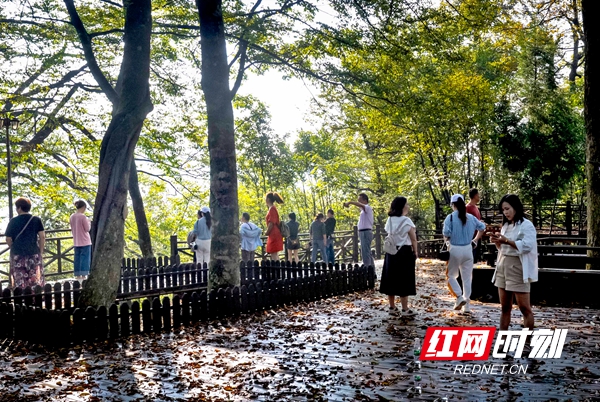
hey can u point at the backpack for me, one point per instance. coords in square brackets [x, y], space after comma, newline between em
[285, 229]
[389, 244]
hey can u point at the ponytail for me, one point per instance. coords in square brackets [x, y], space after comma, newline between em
[462, 210]
[274, 197]
[208, 218]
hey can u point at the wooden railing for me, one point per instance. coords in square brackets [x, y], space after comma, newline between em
[58, 255]
[566, 219]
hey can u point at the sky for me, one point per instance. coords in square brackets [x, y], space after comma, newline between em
[288, 100]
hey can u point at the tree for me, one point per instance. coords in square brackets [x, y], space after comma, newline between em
[224, 261]
[591, 11]
[131, 97]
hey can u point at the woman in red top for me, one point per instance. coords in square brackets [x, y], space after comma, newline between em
[275, 239]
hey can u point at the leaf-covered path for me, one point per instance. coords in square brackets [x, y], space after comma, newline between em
[344, 348]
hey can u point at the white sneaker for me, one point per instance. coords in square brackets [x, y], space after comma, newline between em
[466, 308]
[408, 313]
[460, 301]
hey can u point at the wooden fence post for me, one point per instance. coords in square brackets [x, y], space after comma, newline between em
[174, 248]
[569, 219]
[355, 243]
[124, 309]
[59, 253]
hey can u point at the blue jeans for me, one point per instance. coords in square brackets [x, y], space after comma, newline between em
[318, 245]
[330, 252]
[366, 237]
[82, 260]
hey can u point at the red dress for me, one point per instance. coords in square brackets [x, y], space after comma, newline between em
[275, 240]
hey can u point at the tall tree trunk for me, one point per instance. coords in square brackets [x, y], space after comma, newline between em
[575, 60]
[224, 253]
[116, 155]
[144, 239]
[591, 13]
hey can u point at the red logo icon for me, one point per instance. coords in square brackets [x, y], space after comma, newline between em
[452, 343]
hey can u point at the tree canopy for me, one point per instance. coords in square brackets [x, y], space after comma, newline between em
[422, 99]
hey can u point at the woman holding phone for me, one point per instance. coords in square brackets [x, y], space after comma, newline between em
[517, 264]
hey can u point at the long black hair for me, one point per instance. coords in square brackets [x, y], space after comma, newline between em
[207, 217]
[397, 206]
[462, 210]
[514, 201]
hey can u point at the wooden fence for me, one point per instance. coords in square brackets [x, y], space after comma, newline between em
[566, 219]
[264, 287]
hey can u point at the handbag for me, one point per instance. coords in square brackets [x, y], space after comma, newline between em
[444, 253]
[389, 244]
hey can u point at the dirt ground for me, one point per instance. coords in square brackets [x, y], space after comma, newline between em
[341, 349]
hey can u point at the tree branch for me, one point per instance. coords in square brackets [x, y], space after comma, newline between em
[102, 33]
[86, 42]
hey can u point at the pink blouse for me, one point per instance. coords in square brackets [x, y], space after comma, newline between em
[80, 227]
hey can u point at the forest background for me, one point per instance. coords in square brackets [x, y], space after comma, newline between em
[421, 99]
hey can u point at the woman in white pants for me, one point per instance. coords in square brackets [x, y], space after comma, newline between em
[203, 236]
[459, 227]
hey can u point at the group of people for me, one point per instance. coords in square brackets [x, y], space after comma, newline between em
[516, 265]
[321, 234]
[26, 238]
[463, 229]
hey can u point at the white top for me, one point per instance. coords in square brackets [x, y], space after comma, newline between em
[526, 242]
[399, 226]
[365, 220]
[510, 234]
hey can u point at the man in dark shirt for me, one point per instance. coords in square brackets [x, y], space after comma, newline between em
[329, 229]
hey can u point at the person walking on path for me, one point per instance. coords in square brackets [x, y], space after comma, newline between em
[329, 229]
[250, 238]
[472, 209]
[80, 228]
[517, 263]
[275, 239]
[398, 276]
[293, 242]
[203, 236]
[365, 227]
[318, 238]
[26, 238]
[458, 229]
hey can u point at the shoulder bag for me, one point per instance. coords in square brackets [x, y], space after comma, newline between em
[444, 253]
[389, 244]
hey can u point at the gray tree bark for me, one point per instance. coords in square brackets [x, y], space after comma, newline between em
[144, 238]
[132, 105]
[224, 259]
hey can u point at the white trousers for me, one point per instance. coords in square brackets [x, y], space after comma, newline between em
[203, 251]
[461, 259]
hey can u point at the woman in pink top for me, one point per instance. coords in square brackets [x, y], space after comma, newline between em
[80, 227]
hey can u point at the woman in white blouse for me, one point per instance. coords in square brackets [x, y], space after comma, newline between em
[517, 264]
[398, 275]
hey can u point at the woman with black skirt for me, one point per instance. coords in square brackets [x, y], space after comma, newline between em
[398, 276]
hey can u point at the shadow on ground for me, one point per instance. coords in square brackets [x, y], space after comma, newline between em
[343, 349]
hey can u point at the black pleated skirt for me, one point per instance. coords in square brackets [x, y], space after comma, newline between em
[398, 276]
